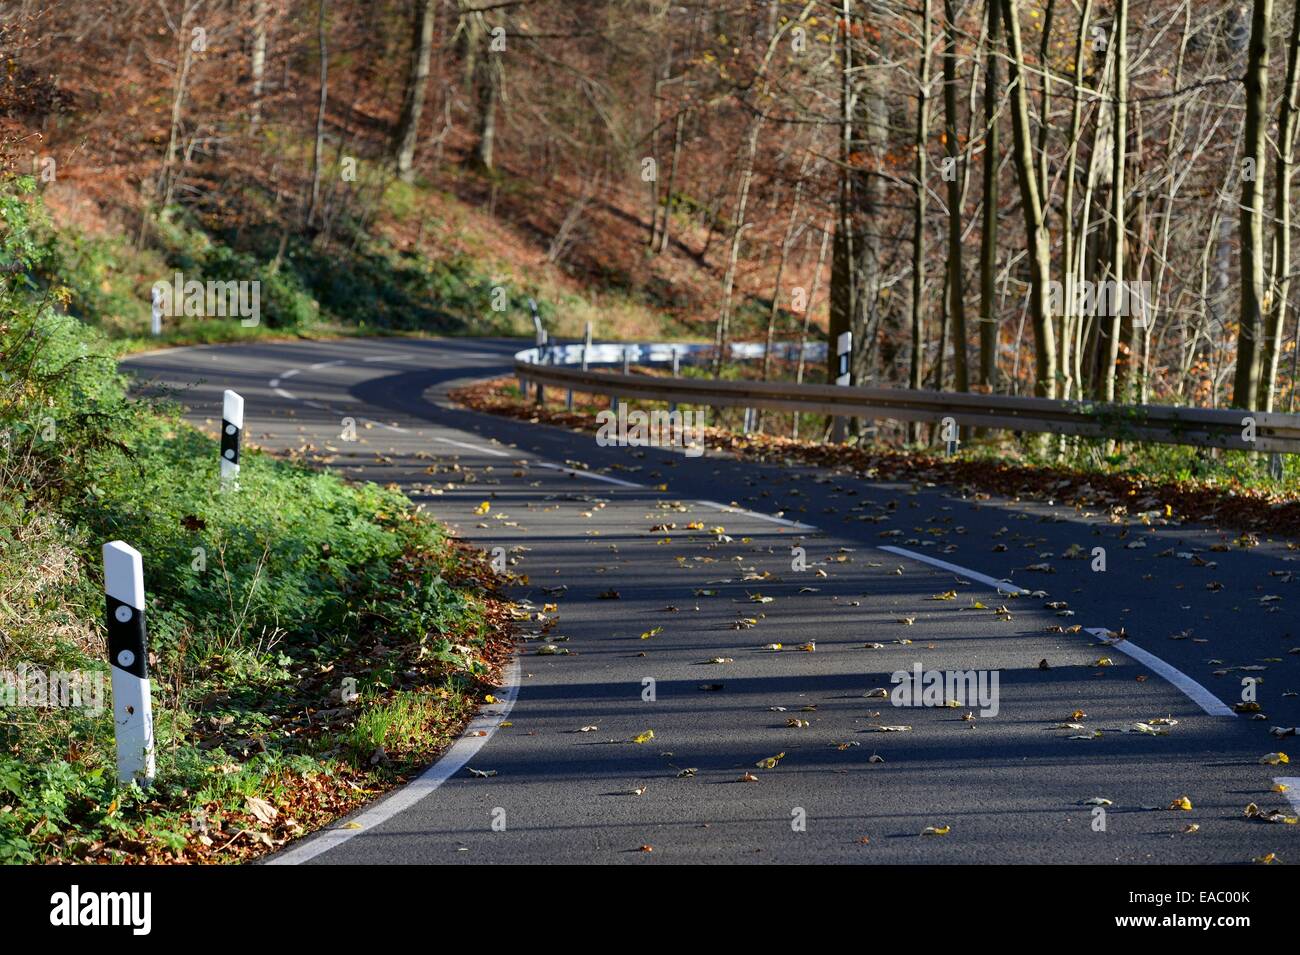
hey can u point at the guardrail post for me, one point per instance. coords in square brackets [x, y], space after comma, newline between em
[1275, 466]
[843, 355]
[627, 360]
[232, 426]
[128, 657]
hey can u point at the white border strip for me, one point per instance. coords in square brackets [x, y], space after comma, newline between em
[486, 722]
[1001, 586]
[1191, 689]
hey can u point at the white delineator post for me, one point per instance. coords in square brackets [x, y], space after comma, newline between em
[843, 376]
[128, 656]
[232, 426]
[677, 373]
[540, 341]
[155, 321]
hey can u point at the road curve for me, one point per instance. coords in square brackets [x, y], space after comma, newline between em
[1009, 788]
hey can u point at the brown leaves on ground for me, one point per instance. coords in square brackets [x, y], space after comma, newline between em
[1224, 504]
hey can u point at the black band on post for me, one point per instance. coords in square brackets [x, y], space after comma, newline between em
[127, 638]
[229, 442]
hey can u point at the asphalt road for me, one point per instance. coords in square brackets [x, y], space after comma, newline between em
[587, 523]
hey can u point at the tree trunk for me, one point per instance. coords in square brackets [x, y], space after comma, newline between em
[257, 63]
[1280, 285]
[1036, 237]
[1068, 239]
[916, 371]
[807, 315]
[722, 330]
[408, 124]
[665, 229]
[989, 234]
[956, 274]
[855, 248]
[1245, 387]
[1119, 144]
[318, 149]
[787, 240]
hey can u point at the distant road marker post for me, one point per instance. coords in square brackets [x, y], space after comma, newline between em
[155, 320]
[677, 373]
[128, 656]
[843, 377]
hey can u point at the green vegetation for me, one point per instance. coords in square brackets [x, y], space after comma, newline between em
[263, 601]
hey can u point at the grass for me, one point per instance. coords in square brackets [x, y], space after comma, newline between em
[312, 641]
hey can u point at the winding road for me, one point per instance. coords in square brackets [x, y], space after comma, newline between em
[659, 564]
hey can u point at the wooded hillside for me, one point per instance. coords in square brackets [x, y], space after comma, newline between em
[1077, 199]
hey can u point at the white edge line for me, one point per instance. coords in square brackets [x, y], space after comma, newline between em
[730, 509]
[380, 424]
[475, 447]
[487, 722]
[284, 394]
[1001, 586]
[1198, 694]
[594, 475]
[1190, 688]
[1292, 784]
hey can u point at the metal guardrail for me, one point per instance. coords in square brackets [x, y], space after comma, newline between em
[553, 365]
